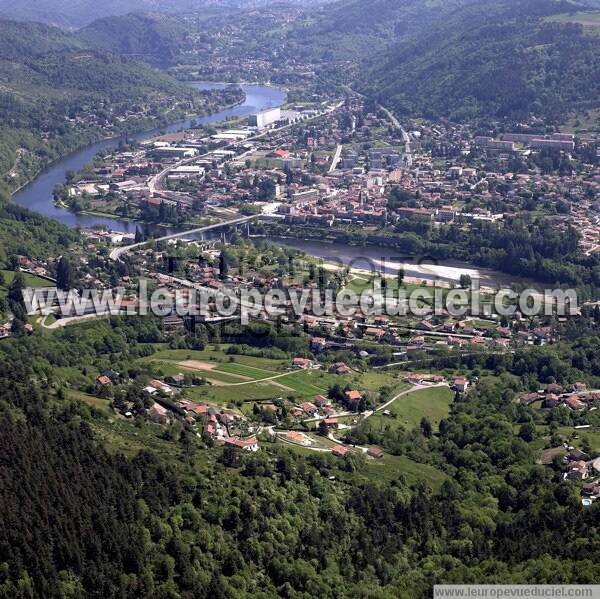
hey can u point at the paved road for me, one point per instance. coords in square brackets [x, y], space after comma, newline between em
[408, 156]
[332, 437]
[156, 183]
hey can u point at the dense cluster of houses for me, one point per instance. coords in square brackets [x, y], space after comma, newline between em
[578, 397]
[580, 468]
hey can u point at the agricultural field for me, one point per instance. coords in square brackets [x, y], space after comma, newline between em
[244, 371]
[235, 395]
[233, 379]
[590, 20]
[97, 403]
[214, 365]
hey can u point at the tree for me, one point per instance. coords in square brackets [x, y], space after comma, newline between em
[400, 275]
[65, 277]
[527, 432]
[426, 428]
[323, 429]
[15, 289]
[17, 328]
[465, 281]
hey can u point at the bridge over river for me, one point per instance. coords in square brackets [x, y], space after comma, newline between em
[120, 251]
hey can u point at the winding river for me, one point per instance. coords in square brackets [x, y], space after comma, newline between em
[38, 195]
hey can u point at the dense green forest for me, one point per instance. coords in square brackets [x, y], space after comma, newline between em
[495, 60]
[158, 39]
[82, 519]
[26, 233]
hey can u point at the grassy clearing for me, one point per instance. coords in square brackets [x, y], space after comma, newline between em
[585, 18]
[30, 280]
[123, 436]
[218, 355]
[180, 355]
[307, 383]
[391, 467]
[223, 377]
[374, 380]
[95, 402]
[578, 436]
[433, 404]
[240, 393]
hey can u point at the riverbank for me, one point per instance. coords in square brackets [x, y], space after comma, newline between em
[93, 137]
[37, 195]
[370, 260]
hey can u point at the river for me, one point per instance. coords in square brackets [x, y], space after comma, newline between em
[38, 195]
[388, 261]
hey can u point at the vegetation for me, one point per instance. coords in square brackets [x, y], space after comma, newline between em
[58, 93]
[81, 518]
[493, 60]
[25, 233]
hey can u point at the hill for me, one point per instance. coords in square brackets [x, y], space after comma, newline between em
[79, 13]
[458, 58]
[25, 233]
[339, 30]
[153, 38]
[64, 13]
[494, 60]
[57, 93]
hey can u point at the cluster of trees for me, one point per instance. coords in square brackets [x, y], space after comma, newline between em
[25, 233]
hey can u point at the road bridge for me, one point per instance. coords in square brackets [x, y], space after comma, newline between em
[120, 251]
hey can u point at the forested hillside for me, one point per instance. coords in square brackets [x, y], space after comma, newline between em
[78, 13]
[343, 30]
[26, 233]
[154, 38]
[492, 59]
[458, 59]
[57, 93]
[185, 521]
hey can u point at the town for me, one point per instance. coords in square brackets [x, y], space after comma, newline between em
[208, 203]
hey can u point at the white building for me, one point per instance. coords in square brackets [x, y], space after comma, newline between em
[265, 118]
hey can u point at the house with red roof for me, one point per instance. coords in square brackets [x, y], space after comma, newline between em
[248, 444]
[340, 451]
[302, 363]
[353, 395]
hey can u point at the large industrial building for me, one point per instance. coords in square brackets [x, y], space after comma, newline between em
[265, 118]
